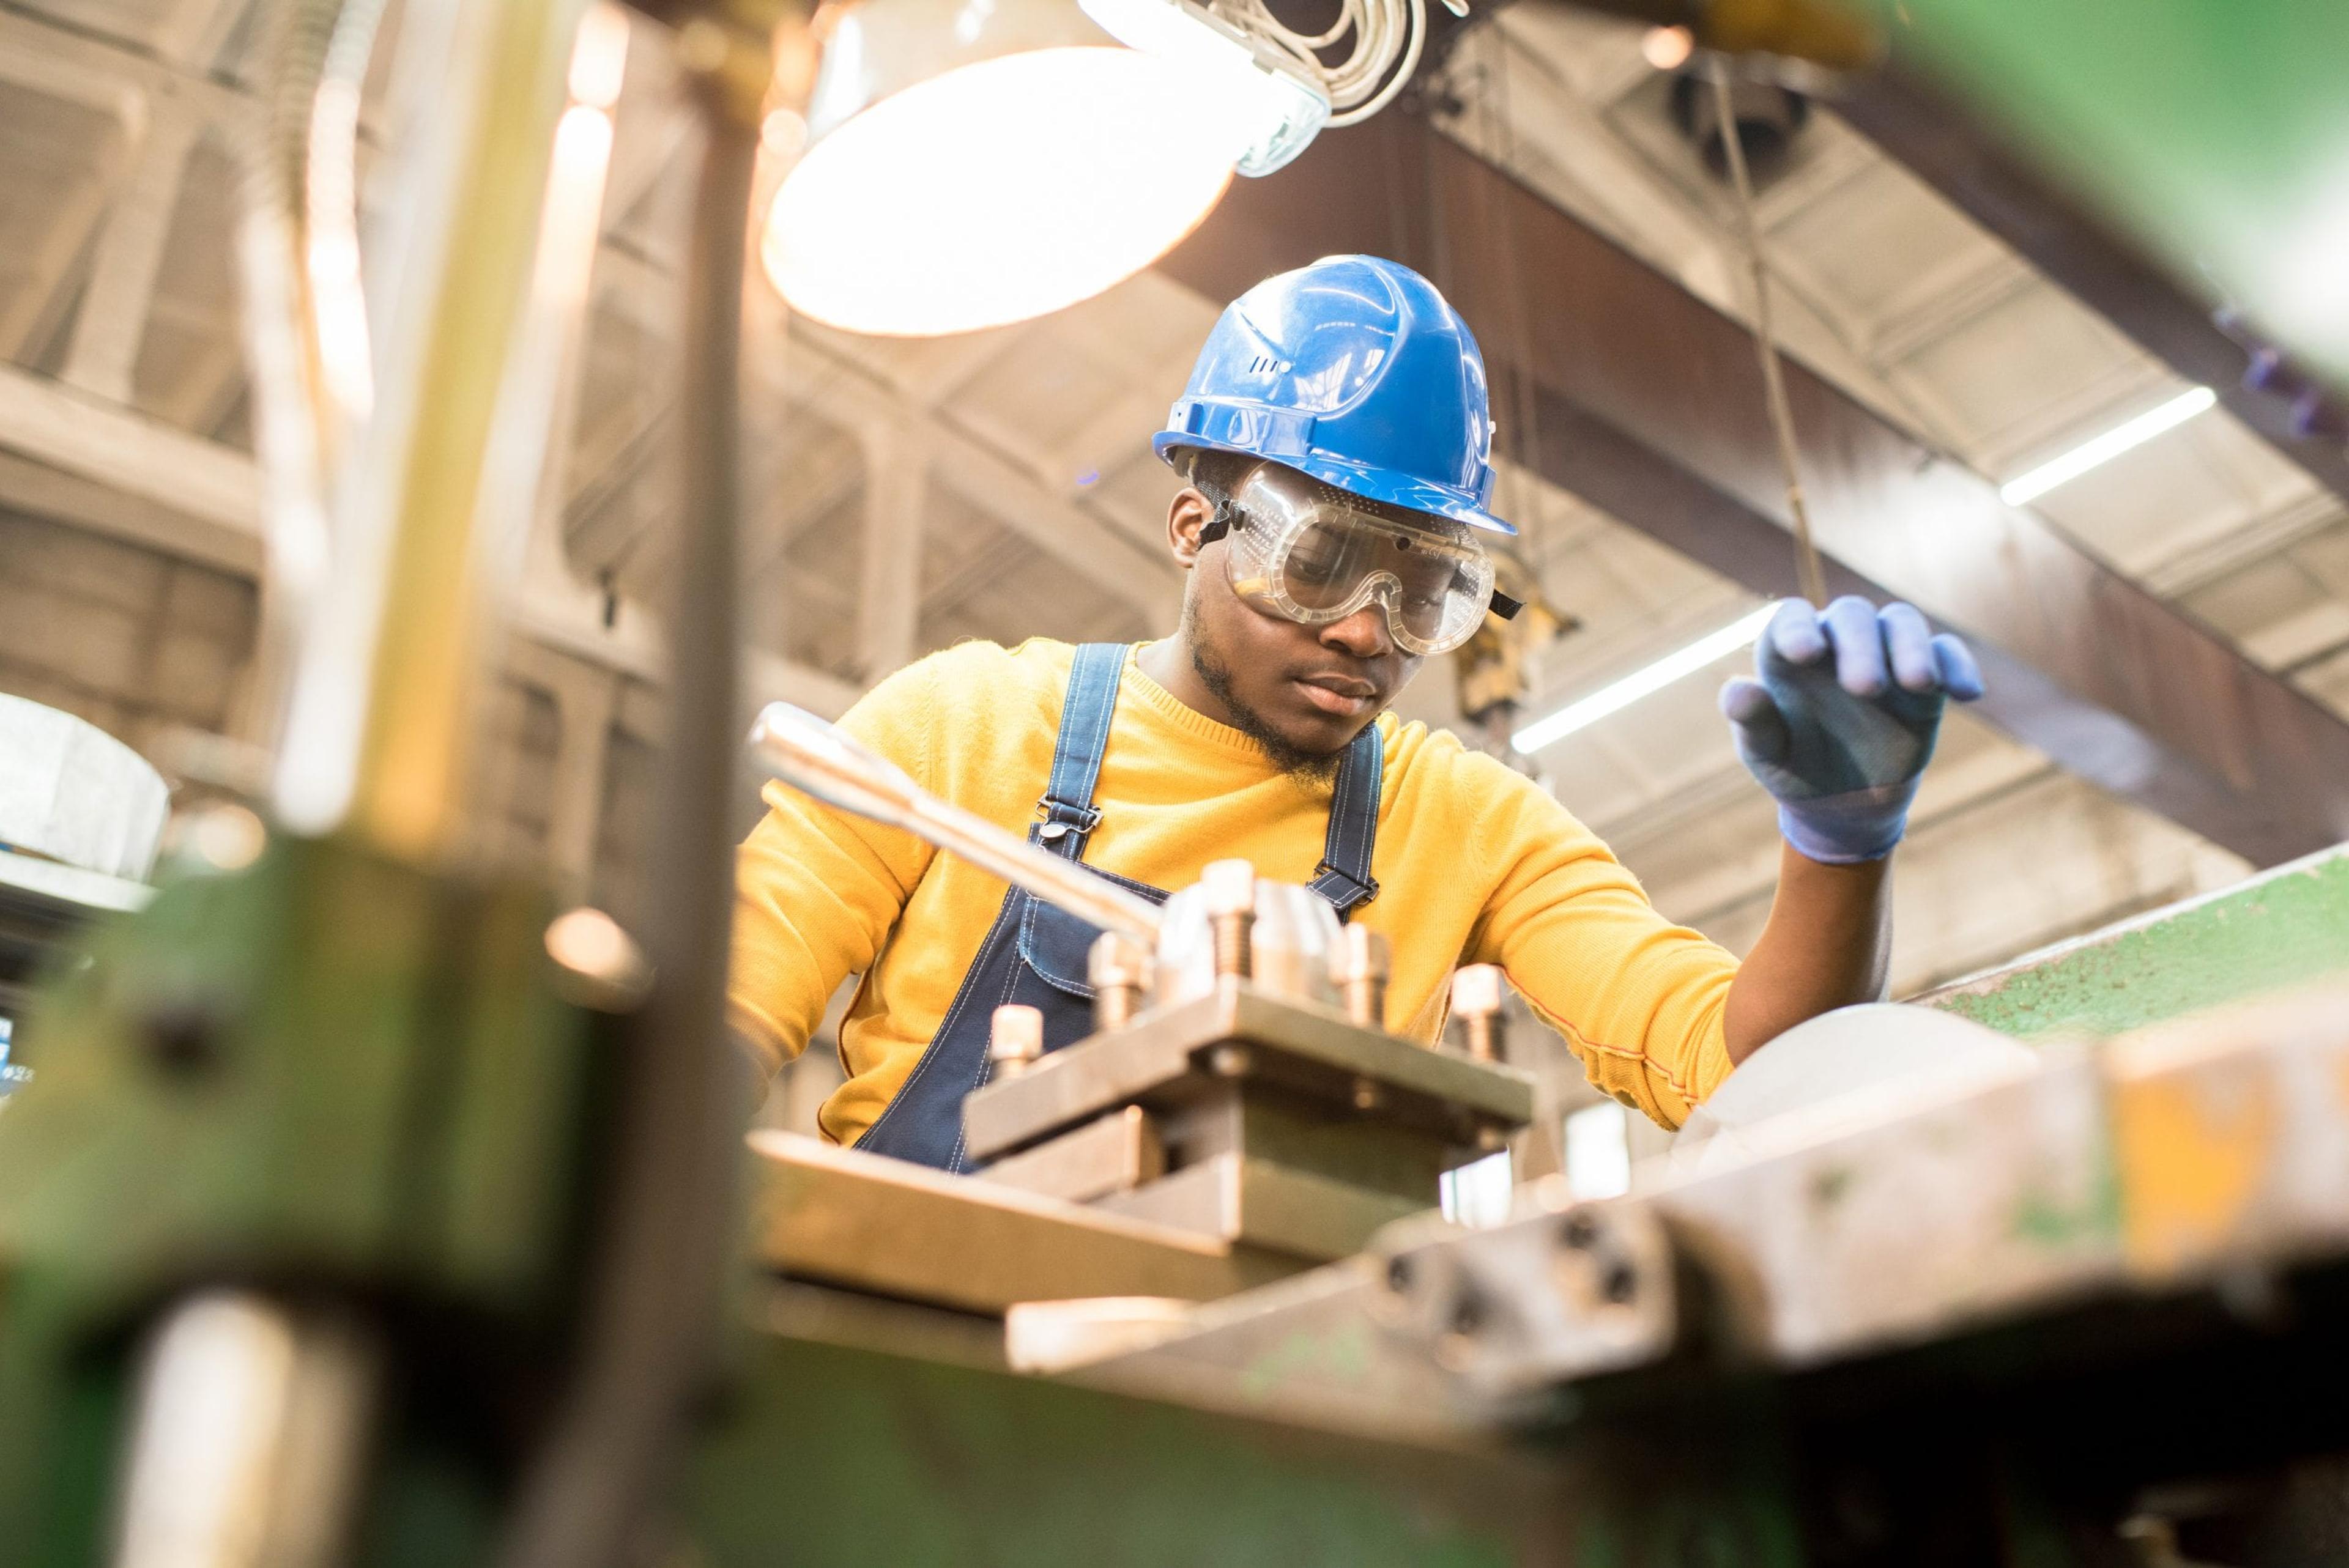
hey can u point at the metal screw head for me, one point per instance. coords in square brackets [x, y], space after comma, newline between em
[597, 963]
[1117, 959]
[1229, 1061]
[1015, 1039]
[1476, 991]
[1368, 1095]
[1360, 954]
[1228, 887]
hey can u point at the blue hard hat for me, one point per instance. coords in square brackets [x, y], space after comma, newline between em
[1356, 371]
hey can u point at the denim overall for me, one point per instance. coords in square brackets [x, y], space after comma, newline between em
[1035, 952]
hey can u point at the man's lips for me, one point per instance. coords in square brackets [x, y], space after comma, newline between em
[1342, 695]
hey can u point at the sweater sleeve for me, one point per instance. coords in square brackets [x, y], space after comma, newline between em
[1642, 1001]
[817, 891]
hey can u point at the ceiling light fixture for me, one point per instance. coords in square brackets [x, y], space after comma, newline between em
[1553, 727]
[971, 163]
[2095, 454]
[1271, 101]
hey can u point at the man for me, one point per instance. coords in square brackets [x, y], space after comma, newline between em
[1336, 444]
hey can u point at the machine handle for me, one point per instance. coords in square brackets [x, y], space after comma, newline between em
[794, 745]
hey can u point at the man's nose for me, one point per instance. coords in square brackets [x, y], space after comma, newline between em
[1362, 634]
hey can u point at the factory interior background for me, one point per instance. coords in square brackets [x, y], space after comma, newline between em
[904, 494]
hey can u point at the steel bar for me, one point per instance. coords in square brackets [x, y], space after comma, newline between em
[892, 1228]
[1113, 1153]
[1265, 1204]
[652, 1317]
[805, 752]
[250, 1441]
[1307, 1049]
[1651, 408]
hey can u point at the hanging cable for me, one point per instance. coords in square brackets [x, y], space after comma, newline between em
[1807, 571]
[1386, 38]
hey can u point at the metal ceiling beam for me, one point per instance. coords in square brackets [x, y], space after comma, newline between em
[1651, 407]
[1978, 174]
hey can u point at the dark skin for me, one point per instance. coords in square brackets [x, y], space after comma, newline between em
[1311, 689]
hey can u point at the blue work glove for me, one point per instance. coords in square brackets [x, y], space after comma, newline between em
[1840, 724]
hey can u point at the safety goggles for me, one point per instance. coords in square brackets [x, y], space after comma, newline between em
[1313, 554]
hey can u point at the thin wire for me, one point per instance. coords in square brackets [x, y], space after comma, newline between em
[1386, 40]
[1807, 571]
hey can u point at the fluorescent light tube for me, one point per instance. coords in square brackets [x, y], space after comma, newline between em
[1622, 693]
[2095, 454]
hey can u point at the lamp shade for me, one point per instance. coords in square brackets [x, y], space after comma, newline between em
[976, 163]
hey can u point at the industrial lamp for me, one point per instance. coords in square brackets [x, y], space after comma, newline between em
[972, 163]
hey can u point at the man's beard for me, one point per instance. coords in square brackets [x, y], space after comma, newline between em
[1307, 766]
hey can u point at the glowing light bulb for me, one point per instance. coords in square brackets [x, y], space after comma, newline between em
[1000, 191]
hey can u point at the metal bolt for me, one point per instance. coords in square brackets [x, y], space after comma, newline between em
[1476, 1002]
[597, 963]
[1400, 1272]
[1619, 1284]
[1491, 1138]
[1117, 968]
[1359, 968]
[1229, 1061]
[1228, 887]
[1368, 1095]
[1015, 1039]
[1579, 1231]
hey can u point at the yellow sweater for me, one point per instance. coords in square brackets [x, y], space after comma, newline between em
[1474, 863]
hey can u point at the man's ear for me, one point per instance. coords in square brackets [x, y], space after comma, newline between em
[1185, 516]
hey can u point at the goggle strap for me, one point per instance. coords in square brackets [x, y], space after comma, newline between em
[1220, 524]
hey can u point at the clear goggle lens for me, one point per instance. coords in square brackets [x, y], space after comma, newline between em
[1312, 554]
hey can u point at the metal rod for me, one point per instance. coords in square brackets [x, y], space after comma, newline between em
[803, 751]
[657, 1284]
[251, 1430]
[1766, 341]
[380, 715]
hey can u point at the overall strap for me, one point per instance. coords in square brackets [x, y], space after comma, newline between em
[1343, 877]
[1085, 715]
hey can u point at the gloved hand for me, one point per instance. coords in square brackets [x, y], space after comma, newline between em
[1842, 740]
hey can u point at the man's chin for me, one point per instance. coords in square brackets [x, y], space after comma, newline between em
[1313, 739]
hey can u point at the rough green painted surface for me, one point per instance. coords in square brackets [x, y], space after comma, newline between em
[850, 1456]
[2217, 130]
[326, 1070]
[2287, 928]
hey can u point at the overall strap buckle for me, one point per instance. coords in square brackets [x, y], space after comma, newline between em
[1061, 818]
[1090, 704]
[1345, 892]
[1343, 877]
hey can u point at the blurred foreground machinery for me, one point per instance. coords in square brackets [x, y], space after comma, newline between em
[363, 1211]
